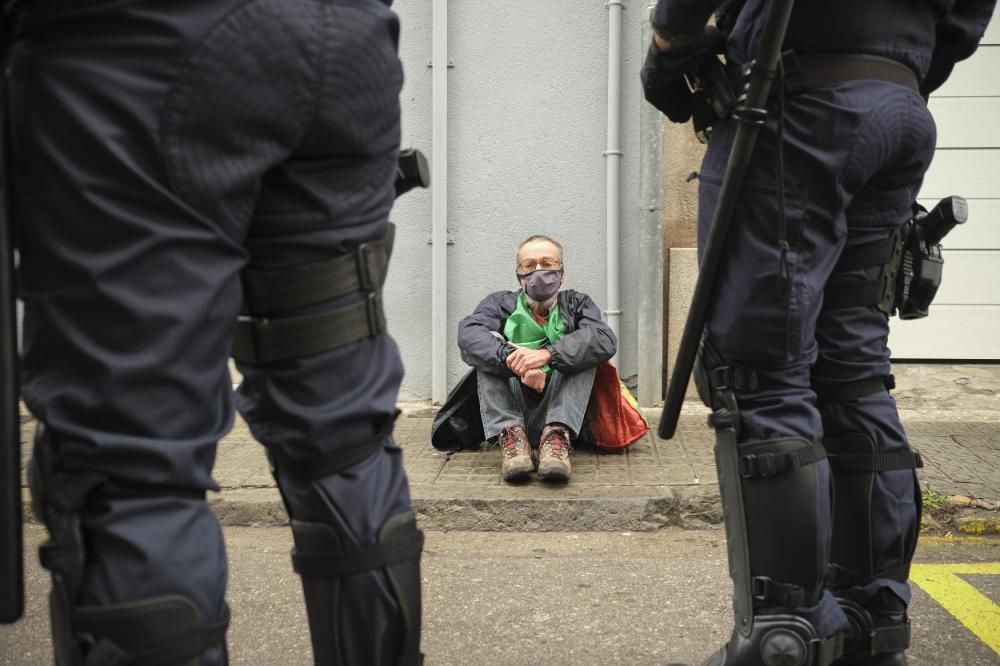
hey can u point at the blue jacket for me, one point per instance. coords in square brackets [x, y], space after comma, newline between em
[929, 36]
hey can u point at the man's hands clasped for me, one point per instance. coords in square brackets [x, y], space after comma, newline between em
[526, 363]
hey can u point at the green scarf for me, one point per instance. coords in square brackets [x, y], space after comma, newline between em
[523, 329]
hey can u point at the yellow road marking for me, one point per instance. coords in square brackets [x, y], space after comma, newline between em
[969, 606]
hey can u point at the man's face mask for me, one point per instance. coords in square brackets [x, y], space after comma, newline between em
[541, 285]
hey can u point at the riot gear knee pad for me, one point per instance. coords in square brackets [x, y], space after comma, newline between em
[322, 557]
[778, 640]
[160, 631]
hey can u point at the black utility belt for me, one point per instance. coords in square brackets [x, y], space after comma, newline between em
[719, 91]
[805, 71]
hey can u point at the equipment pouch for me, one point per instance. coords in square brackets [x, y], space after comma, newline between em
[713, 97]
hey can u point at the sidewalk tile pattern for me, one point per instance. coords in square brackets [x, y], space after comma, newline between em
[960, 458]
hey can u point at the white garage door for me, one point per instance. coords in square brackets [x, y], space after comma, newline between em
[964, 321]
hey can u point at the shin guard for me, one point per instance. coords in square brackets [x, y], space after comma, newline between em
[879, 629]
[323, 557]
[770, 493]
[854, 463]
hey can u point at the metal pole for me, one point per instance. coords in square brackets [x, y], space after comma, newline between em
[613, 156]
[748, 116]
[650, 244]
[439, 203]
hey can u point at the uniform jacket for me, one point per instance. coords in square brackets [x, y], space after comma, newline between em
[588, 341]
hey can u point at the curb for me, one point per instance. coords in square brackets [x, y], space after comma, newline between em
[702, 509]
[262, 507]
[637, 514]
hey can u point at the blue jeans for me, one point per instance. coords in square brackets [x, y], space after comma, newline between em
[505, 402]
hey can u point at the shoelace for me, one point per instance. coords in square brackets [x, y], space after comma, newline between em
[509, 446]
[556, 442]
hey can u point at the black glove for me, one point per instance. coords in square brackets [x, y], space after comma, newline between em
[663, 72]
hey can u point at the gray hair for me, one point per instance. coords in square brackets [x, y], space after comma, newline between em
[541, 237]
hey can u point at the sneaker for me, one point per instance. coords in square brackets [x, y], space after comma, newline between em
[517, 463]
[553, 454]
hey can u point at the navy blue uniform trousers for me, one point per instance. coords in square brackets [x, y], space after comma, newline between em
[854, 157]
[160, 146]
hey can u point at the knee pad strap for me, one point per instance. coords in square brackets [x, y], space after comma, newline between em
[160, 631]
[717, 381]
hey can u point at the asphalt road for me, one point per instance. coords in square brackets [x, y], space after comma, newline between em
[553, 598]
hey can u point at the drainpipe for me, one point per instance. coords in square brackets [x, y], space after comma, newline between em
[439, 202]
[650, 350]
[613, 155]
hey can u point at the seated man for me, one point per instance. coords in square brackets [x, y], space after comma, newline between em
[535, 351]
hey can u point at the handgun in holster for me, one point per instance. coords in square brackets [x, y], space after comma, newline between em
[411, 171]
[921, 262]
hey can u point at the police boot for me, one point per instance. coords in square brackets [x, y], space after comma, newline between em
[878, 632]
[159, 631]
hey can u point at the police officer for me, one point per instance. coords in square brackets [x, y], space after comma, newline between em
[821, 502]
[194, 178]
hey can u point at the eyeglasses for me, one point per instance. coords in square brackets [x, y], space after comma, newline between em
[545, 263]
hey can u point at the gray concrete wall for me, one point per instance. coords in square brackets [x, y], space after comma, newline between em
[527, 132]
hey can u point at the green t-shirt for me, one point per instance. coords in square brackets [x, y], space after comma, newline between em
[523, 329]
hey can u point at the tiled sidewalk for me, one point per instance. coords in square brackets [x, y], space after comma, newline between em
[652, 483]
[960, 458]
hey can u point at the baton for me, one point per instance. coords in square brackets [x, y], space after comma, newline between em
[751, 114]
[11, 565]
